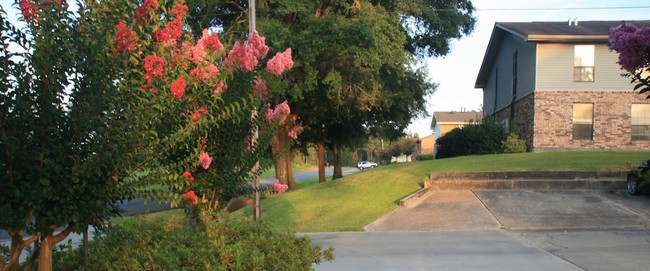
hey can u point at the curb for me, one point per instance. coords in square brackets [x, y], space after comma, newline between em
[543, 180]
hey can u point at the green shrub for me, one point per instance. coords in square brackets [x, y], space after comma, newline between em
[481, 138]
[171, 244]
[423, 157]
[513, 144]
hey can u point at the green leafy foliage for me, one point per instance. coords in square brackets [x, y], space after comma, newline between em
[479, 138]
[424, 157]
[513, 144]
[171, 244]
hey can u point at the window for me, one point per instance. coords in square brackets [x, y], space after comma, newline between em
[641, 122]
[583, 63]
[583, 121]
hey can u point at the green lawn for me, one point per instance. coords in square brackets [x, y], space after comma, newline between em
[297, 168]
[352, 202]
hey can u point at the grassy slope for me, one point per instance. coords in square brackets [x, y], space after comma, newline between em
[354, 201]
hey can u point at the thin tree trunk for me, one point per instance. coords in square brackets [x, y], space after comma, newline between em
[321, 158]
[283, 171]
[338, 172]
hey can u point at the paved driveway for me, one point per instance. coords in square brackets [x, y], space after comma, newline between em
[503, 230]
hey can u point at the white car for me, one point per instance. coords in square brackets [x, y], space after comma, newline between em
[366, 164]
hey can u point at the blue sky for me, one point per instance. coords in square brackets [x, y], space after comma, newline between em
[456, 73]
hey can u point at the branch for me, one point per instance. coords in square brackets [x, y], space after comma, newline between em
[15, 254]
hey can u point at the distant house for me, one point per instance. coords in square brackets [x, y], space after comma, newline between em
[443, 122]
[561, 85]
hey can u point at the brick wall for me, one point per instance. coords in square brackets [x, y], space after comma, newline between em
[524, 118]
[544, 120]
[612, 124]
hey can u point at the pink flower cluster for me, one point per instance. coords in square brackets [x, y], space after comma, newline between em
[143, 13]
[174, 29]
[632, 44]
[279, 188]
[281, 111]
[293, 134]
[188, 176]
[260, 88]
[280, 63]
[178, 88]
[210, 41]
[205, 160]
[154, 67]
[248, 53]
[125, 38]
[29, 9]
[191, 197]
[197, 113]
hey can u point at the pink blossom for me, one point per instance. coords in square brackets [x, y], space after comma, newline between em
[256, 45]
[125, 39]
[198, 53]
[178, 88]
[199, 74]
[205, 160]
[154, 66]
[260, 88]
[293, 134]
[279, 188]
[29, 9]
[280, 63]
[632, 44]
[244, 56]
[188, 175]
[236, 169]
[191, 197]
[180, 10]
[213, 70]
[211, 41]
[143, 13]
[221, 86]
[197, 113]
[282, 111]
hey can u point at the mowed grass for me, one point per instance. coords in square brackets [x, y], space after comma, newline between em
[350, 203]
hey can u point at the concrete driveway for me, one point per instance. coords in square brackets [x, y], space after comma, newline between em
[503, 230]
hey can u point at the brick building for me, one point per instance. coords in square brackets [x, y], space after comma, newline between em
[561, 85]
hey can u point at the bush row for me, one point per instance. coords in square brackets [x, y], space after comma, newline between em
[172, 244]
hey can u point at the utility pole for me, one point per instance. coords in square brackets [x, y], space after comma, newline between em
[256, 181]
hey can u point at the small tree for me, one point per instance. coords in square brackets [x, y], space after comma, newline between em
[103, 102]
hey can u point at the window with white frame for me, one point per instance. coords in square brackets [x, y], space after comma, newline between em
[583, 121]
[640, 121]
[583, 63]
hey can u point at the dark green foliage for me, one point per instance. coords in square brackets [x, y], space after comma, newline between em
[513, 144]
[424, 157]
[481, 138]
[171, 244]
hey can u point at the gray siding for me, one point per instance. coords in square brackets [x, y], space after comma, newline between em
[555, 69]
[503, 88]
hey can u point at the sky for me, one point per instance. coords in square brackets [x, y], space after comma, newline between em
[456, 73]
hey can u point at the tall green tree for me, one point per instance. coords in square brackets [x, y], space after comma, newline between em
[356, 74]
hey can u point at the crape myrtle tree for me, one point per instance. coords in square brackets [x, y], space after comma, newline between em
[633, 46]
[99, 104]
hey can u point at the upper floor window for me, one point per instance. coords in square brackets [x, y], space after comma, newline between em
[583, 63]
[583, 121]
[641, 122]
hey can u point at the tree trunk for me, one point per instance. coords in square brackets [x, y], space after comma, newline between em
[47, 242]
[321, 157]
[338, 173]
[283, 171]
